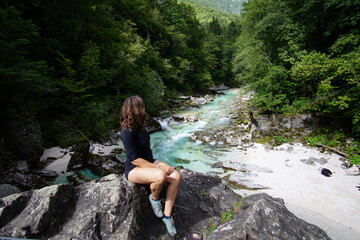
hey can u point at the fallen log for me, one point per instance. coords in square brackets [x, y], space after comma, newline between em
[333, 149]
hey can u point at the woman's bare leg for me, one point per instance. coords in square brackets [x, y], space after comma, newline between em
[153, 176]
[174, 181]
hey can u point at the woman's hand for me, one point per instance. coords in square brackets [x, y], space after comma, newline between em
[166, 168]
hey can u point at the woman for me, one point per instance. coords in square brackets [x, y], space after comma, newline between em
[141, 167]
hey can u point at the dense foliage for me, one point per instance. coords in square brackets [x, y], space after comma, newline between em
[70, 64]
[302, 56]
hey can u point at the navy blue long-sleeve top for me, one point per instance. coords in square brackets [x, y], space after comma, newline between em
[137, 145]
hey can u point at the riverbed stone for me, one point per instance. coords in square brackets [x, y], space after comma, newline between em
[265, 217]
[309, 161]
[321, 160]
[242, 167]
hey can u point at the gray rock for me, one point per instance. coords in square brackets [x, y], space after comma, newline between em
[23, 181]
[80, 156]
[245, 167]
[241, 180]
[201, 200]
[152, 125]
[22, 166]
[178, 118]
[111, 208]
[321, 161]
[264, 217]
[308, 161]
[47, 173]
[7, 189]
[43, 214]
[12, 205]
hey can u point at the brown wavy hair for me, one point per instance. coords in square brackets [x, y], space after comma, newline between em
[132, 114]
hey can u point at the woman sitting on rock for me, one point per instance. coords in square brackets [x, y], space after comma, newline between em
[141, 167]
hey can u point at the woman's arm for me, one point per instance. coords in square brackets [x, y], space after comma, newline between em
[163, 166]
[142, 163]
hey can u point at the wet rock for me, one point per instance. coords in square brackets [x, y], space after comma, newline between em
[78, 179]
[7, 189]
[217, 165]
[152, 125]
[104, 165]
[198, 101]
[79, 157]
[45, 211]
[117, 151]
[181, 161]
[178, 118]
[47, 173]
[265, 217]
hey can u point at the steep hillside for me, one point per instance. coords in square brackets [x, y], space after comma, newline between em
[224, 11]
[230, 6]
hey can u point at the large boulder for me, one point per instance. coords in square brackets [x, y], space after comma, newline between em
[110, 208]
[265, 217]
[11, 206]
[201, 201]
[113, 208]
[43, 213]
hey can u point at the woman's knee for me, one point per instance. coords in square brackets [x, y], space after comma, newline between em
[175, 177]
[159, 176]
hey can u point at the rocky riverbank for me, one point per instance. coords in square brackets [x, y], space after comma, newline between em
[239, 162]
[113, 208]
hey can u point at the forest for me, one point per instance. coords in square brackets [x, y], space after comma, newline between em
[68, 65]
